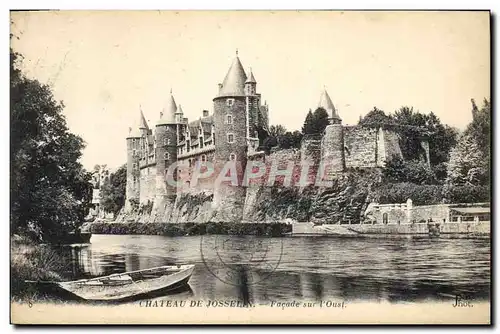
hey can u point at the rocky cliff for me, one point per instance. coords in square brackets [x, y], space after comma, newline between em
[344, 201]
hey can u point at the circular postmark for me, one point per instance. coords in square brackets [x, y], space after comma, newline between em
[241, 260]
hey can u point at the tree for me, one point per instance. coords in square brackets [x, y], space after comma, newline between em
[410, 127]
[375, 118]
[320, 120]
[413, 127]
[277, 130]
[307, 128]
[290, 140]
[50, 191]
[467, 164]
[480, 127]
[315, 123]
[113, 191]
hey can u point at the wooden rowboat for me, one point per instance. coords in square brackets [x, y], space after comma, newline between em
[129, 285]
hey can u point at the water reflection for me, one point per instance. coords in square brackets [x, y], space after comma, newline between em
[308, 268]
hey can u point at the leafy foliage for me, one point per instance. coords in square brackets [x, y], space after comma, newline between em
[412, 126]
[413, 171]
[470, 159]
[290, 140]
[113, 191]
[466, 193]
[375, 118]
[49, 189]
[315, 123]
[419, 194]
[277, 130]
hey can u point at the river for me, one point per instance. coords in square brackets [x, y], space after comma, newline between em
[258, 269]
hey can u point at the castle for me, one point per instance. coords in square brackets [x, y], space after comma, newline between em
[235, 132]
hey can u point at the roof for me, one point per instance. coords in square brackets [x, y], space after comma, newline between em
[472, 210]
[134, 133]
[179, 110]
[204, 122]
[234, 82]
[326, 103]
[143, 124]
[168, 114]
[251, 78]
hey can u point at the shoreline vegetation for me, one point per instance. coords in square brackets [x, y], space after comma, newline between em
[32, 261]
[192, 229]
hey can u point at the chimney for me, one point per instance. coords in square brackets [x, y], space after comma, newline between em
[205, 113]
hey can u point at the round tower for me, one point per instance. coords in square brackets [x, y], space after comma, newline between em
[132, 192]
[332, 143]
[231, 131]
[166, 150]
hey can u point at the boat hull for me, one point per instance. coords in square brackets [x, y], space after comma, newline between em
[129, 290]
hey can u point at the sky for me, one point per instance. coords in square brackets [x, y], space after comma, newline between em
[105, 65]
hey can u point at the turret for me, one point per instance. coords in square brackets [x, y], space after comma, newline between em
[332, 143]
[179, 114]
[166, 146]
[326, 103]
[230, 115]
[250, 84]
[231, 132]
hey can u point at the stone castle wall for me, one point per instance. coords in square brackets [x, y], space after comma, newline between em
[360, 147]
[147, 184]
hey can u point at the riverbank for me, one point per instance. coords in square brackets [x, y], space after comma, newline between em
[35, 262]
[175, 230]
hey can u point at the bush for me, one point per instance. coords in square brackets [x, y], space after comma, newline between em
[174, 230]
[466, 193]
[409, 171]
[401, 192]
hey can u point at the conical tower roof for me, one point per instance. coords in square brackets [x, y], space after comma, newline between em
[135, 131]
[168, 113]
[251, 78]
[143, 124]
[326, 103]
[234, 82]
[179, 110]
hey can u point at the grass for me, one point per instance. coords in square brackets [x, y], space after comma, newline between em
[32, 262]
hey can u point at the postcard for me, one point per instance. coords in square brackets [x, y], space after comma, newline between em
[250, 167]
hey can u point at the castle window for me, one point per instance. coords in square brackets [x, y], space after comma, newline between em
[230, 102]
[232, 157]
[135, 179]
[133, 153]
[167, 156]
[166, 141]
[385, 218]
[229, 119]
[230, 138]
[203, 158]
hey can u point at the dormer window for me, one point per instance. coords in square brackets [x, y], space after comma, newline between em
[229, 102]
[229, 119]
